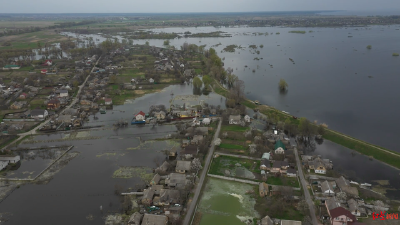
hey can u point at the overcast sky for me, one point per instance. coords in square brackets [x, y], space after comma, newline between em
[146, 6]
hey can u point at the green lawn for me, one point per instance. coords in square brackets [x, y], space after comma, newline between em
[231, 146]
[285, 181]
[233, 128]
[221, 163]
[365, 149]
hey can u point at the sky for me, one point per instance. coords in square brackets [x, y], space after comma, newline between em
[168, 6]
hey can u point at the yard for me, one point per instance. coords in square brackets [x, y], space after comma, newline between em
[237, 167]
[285, 181]
[233, 128]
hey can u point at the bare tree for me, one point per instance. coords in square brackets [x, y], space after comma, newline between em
[237, 91]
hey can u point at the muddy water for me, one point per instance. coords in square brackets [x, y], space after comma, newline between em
[226, 202]
[88, 181]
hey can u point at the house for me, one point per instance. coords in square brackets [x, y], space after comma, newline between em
[197, 139]
[53, 104]
[263, 189]
[140, 116]
[23, 96]
[39, 113]
[108, 101]
[344, 185]
[148, 195]
[339, 215]
[279, 147]
[18, 105]
[167, 197]
[290, 222]
[163, 168]
[206, 121]
[11, 67]
[159, 115]
[156, 179]
[291, 173]
[234, 119]
[44, 71]
[63, 93]
[265, 164]
[135, 219]
[10, 158]
[247, 119]
[151, 80]
[152, 219]
[353, 207]
[327, 188]
[182, 166]
[176, 180]
[279, 167]
[48, 62]
[3, 164]
[201, 130]
[172, 153]
[267, 221]
[266, 155]
[189, 152]
[317, 164]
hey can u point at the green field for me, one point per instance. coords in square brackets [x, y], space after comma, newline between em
[233, 128]
[232, 146]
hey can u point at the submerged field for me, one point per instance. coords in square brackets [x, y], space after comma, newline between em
[226, 202]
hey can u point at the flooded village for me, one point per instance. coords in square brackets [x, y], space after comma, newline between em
[124, 134]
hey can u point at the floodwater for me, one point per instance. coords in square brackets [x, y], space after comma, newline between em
[88, 181]
[360, 168]
[333, 78]
[226, 202]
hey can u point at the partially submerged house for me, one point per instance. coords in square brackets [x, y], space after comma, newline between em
[141, 116]
[345, 186]
[10, 158]
[163, 168]
[327, 188]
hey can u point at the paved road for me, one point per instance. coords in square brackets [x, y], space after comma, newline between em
[193, 204]
[48, 120]
[306, 193]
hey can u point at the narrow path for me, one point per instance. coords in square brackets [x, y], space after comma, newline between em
[305, 189]
[22, 135]
[193, 204]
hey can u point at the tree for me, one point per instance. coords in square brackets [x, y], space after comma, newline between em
[306, 128]
[166, 42]
[369, 46]
[207, 80]
[237, 91]
[217, 141]
[196, 165]
[147, 43]
[321, 128]
[283, 85]
[197, 82]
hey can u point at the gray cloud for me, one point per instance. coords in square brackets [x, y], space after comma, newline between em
[146, 6]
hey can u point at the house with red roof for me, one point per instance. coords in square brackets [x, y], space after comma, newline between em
[23, 96]
[48, 62]
[338, 214]
[108, 101]
[44, 71]
[140, 116]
